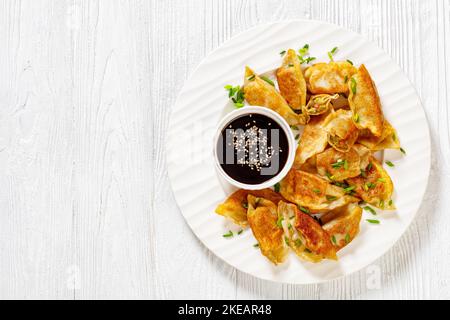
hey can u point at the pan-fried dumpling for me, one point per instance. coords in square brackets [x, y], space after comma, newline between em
[329, 77]
[235, 206]
[387, 140]
[314, 140]
[304, 235]
[291, 82]
[343, 226]
[365, 102]
[342, 132]
[374, 186]
[312, 192]
[339, 165]
[260, 93]
[319, 104]
[262, 218]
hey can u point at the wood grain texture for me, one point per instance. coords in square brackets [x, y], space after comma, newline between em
[86, 89]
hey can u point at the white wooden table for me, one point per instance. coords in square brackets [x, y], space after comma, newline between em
[86, 89]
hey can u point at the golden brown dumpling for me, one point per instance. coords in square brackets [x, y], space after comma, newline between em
[291, 82]
[365, 102]
[343, 226]
[329, 77]
[314, 140]
[319, 104]
[260, 93]
[339, 165]
[387, 140]
[262, 218]
[312, 192]
[342, 132]
[304, 235]
[374, 186]
[235, 206]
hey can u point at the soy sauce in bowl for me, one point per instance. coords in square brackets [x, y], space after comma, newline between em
[252, 149]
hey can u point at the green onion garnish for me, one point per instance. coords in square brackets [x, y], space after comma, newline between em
[256, 245]
[349, 189]
[331, 198]
[333, 239]
[356, 118]
[353, 85]
[373, 221]
[389, 163]
[268, 80]
[371, 210]
[228, 235]
[245, 205]
[282, 52]
[317, 191]
[403, 151]
[251, 77]
[280, 222]
[298, 242]
[303, 209]
[347, 238]
[350, 61]
[276, 187]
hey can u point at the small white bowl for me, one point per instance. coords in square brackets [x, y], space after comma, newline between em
[275, 117]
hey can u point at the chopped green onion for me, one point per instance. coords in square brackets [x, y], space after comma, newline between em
[297, 136]
[317, 191]
[268, 80]
[251, 77]
[282, 52]
[330, 198]
[298, 242]
[349, 189]
[245, 205]
[240, 231]
[333, 51]
[363, 174]
[381, 180]
[369, 166]
[403, 151]
[353, 85]
[333, 239]
[276, 187]
[347, 238]
[389, 163]
[381, 204]
[371, 210]
[350, 61]
[286, 240]
[330, 55]
[228, 235]
[309, 59]
[303, 209]
[390, 202]
[280, 222]
[256, 245]
[373, 221]
[294, 127]
[290, 65]
[356, 118]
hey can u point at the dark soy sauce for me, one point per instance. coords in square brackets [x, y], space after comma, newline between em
[252, 149]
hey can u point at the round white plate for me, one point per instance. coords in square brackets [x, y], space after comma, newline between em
[203, 102]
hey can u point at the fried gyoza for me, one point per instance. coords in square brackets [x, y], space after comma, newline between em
[319, 104]
[365, 102]
[304, 235]
[312, 192]
[329, 77]
[387, 140]
[344, 225]
[342, 132]
[374, 186]
[313, 141]
[291, 82]
[260, 93]
[262, 218]
[235, 206]
[340, 165]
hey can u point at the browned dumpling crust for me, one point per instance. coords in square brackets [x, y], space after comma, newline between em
[236, 205]
[291, 82]
[365, 102]
[262, 218]
[342, 132]
[387, 140]
[339, 165]
[260, 93]
[329, 77]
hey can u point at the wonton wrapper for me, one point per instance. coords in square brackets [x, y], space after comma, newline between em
[365, 103]
[342, 132]
[291, 82]
[344, 225]
[304, 235]
[387, 140]
[260, 93]
[329, 77]
[310, 191]
[351, 168]
[313, 141]
[235, 206]
[378, 194]
[319, 104]
[262, 218]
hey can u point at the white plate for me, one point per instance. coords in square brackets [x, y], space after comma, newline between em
[202, 103]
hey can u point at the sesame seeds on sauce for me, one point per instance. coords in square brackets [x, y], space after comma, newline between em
[252, 149]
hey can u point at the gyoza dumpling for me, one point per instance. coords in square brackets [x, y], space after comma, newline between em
[262, 217]
[329, 77]
[342, 132]
[304, 235]
[374, 186]
[365, 102]
[291, 82]
[312, 192]
[235, 206]
[387, 140]
[339, 165]
[342, 224]
[319, 104]
[314, 140]
[260, 93]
